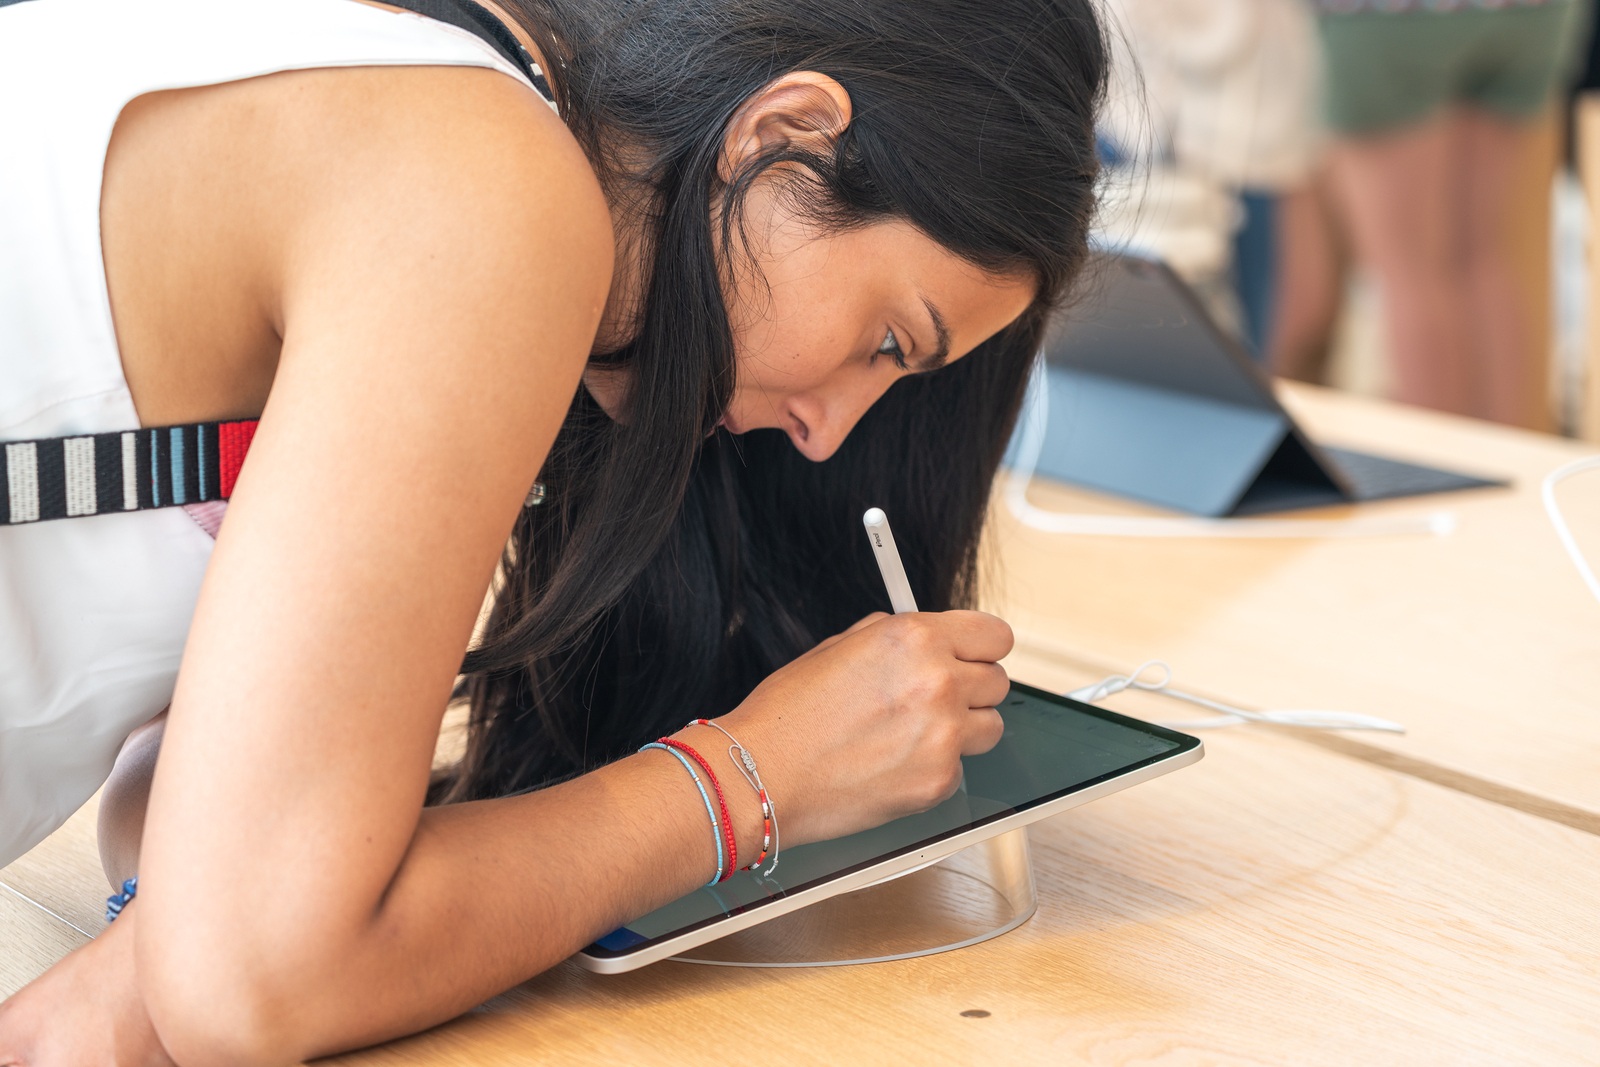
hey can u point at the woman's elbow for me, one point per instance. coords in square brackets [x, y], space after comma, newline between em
[216, 1002]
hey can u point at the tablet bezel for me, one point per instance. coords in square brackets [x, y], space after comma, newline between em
[1190, 750]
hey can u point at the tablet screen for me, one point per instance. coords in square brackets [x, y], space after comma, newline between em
[1052, 747]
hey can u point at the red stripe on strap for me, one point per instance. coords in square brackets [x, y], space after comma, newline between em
[233, 441]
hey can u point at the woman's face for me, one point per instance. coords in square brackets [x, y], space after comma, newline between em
[824, 324]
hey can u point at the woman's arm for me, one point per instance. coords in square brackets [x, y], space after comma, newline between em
[489, 893]
[123, 800]
[445, 253]
[863, 728]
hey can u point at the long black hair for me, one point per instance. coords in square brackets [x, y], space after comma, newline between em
[670, 571]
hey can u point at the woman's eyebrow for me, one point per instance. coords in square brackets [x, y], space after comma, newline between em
[941, 354]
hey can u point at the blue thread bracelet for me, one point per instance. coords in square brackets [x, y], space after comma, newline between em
[117, 901]
[716, 827]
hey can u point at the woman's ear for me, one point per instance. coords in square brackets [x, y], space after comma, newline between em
[803, 108]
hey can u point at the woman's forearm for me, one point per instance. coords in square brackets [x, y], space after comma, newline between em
[489, 894]
[370, 937]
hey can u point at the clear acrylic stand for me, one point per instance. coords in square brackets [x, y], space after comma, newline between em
[964, 899]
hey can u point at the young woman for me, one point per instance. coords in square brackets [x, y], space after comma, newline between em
[668, 300]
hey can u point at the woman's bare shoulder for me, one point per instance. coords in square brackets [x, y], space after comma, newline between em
[446, 235]
[416, 147]
[235, 213]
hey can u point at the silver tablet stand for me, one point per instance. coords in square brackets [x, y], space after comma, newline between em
[970, 897]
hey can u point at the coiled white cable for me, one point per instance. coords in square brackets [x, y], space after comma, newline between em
[1036, 420]
[1310, 719]
[1563, 531]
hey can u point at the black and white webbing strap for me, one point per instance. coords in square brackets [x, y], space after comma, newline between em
[131, 470]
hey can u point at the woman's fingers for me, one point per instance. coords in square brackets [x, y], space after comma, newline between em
[973, 636]
[878, 718]
[977, 636]
[984, 729]
[985, 684]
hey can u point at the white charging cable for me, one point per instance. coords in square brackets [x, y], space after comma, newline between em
[1036, 420]
[1563, 531]
[1161, 682]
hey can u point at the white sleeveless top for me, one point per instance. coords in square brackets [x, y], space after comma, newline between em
[94, 611]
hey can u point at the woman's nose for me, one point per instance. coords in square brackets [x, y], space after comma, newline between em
[820, 423]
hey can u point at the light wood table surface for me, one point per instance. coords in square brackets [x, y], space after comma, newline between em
[1274, 904]
[1279, 902]
[1484, 643]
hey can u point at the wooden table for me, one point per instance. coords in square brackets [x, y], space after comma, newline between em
[1280, 902]
[1484, 643]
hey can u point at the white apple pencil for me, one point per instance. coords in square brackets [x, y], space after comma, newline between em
[900, 598]
[888, 557]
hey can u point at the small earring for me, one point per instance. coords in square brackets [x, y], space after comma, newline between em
[535, 496]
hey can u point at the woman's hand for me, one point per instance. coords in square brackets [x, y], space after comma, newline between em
[872, 724]
[86, 1010]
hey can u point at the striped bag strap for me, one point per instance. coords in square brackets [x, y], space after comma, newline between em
[132, 470]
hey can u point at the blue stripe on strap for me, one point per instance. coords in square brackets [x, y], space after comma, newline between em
[179, 491]
[200, 458]
[155, 468]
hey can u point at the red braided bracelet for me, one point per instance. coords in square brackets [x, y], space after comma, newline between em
[722, 802]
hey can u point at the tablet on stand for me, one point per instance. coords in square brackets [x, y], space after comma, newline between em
[967, 873]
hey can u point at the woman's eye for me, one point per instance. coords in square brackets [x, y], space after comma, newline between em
[891, 347]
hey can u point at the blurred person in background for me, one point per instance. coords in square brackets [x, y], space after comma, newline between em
[1212, 113]
[1311, 261]
[1431, 107]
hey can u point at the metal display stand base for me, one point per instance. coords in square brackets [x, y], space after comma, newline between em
[970, 897]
